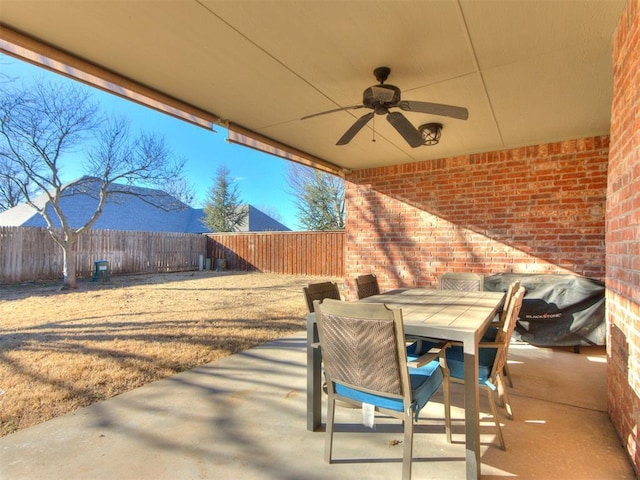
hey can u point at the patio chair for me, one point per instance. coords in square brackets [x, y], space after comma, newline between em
[465, 281]
[320, 291]
[367, 285]
[492, 359]
[492, 330]
[363, 347]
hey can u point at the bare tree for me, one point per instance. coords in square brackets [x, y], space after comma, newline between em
[43, 125]
[181, 189]
[10, 190]
[319, 197]
[10, 193]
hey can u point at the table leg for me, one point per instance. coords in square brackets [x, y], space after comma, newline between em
[471, 409]
[314, 375]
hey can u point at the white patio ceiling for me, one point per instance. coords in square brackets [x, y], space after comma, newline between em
[529, 72]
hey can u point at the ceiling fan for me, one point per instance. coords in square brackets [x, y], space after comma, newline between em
[380, 98]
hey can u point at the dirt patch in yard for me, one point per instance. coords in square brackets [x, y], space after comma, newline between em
[63, 350]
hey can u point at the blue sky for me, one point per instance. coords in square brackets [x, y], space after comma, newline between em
[261, 178]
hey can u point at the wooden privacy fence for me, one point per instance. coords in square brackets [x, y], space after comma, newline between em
[31, 254]
[296, 253]
[28, 254]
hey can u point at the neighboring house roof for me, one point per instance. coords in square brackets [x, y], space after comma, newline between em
[145, 209]
[261, 222]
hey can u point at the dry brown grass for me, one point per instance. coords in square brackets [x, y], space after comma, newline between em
[61, 351]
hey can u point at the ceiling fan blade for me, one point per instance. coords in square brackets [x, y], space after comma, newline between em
[435, 109]
[352, 107]
[404, 128]
[355, 128]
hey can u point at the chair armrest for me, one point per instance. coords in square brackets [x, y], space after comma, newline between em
[437, 351]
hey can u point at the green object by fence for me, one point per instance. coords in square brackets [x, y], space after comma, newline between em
[101, 271]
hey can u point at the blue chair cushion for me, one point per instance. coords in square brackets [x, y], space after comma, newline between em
[413, 352]
[424, 383]
[490, 334]
[455, 362]
[455, 357]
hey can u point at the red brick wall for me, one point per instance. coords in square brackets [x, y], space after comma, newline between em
[623, 234]
[538, 209]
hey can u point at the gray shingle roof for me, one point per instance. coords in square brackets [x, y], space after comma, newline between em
[142, 209]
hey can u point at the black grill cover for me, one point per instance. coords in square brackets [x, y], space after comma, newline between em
[557, 310]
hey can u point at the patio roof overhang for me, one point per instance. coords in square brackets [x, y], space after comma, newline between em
[529, 72]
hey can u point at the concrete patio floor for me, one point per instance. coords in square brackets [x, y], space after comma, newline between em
[244, 417]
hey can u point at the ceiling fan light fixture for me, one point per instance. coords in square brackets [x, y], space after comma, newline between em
[430, 133]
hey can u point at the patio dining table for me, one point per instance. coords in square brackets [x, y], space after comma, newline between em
[442, 314]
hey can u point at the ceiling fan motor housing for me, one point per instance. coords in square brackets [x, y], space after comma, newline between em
[385, 96]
